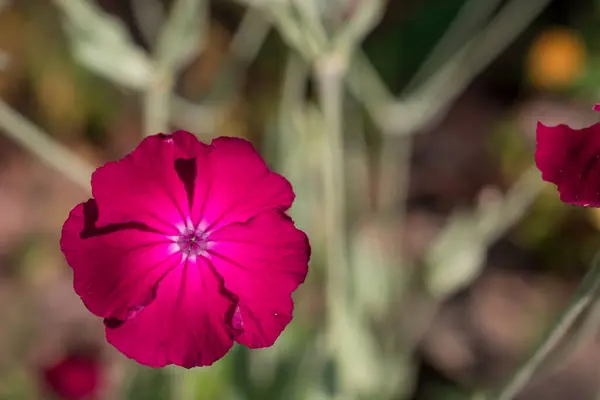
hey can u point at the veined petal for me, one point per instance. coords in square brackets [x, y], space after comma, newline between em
[241, 185]
[186, 248]
[116, 268]
[147, 186]
[184, 325]
[262, 262]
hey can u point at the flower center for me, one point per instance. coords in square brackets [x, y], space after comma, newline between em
[192, 243]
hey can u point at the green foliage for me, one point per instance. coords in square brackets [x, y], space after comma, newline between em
[150, 384]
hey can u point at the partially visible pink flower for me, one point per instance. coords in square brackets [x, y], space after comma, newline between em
[74, 377]
[570, 158]
[186, 248]
[597, 107]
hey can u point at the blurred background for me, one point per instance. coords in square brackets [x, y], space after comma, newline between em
[407, 128]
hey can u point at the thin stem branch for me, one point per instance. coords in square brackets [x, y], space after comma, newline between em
[329, 72]
[292, 95]
[360, 25]
[304, 39]
[180, 39]
[149, 16]
[249, 37]
[102, 43]
[157, 103]
[496, 219]
[582, 335]
[40, 144]
[430, 102]
[194, 117]
[367, 87]
[583, 297]
[471, 16]
[311, 24]
[244, 47]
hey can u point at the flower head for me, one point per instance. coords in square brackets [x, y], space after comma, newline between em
[185, 248]
[570, 158]
[73, 377]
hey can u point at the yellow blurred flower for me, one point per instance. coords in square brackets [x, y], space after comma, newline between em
[556, 59]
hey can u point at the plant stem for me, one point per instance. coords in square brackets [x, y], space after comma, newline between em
[583, 297]
[157, 102]
[428, 103]
[180, 39]
[41, 145]
[329, 73]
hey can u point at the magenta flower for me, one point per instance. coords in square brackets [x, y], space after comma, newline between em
[185, 249]
[570, 158]
[74, 377]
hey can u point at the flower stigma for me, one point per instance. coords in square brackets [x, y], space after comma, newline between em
[191, 242]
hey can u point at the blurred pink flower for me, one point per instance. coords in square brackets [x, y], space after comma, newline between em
[570, 158]
[74, 377]
[186, 248]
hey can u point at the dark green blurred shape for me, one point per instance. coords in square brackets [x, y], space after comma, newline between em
[150, 384]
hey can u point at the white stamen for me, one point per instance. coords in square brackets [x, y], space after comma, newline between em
[190, 225]
[173, 248]
[181, 228]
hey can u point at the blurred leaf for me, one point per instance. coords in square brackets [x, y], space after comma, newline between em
[68, 95]
[543, 219]
[445, 392]
[16, 384]
[456, 257]
[359, 360]
[240, 376]
[281, 373]
[277, 372]
[102, 44]
[589, 83]
[330, 378]
[178, 42]
[213, 383]
[300, 160]
[150, 384]
[511, 147]
[372, 267]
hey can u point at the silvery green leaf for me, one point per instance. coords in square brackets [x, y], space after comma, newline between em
[456, 257]
[301, 161]
[372, 265]
[149, 16]
[359, 360]
[180, 39]
[101, 43]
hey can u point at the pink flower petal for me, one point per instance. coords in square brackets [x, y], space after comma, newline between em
[597, 107]
[241, 185]
[184, 325]
[146, 186]
[569, 158]
[262, 262]
[116, 268]
[140, 250]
